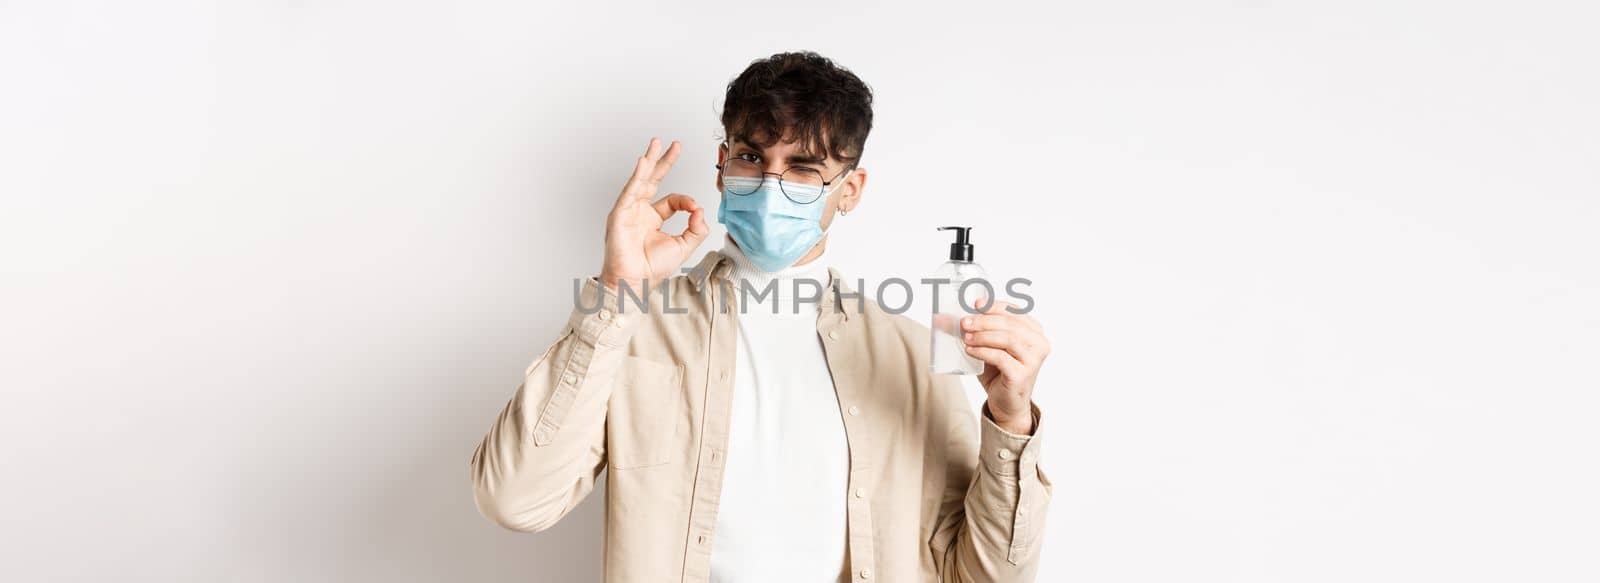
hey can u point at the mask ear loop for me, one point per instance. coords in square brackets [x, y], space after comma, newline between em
[824, 200]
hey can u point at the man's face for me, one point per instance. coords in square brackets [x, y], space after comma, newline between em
[844, 188]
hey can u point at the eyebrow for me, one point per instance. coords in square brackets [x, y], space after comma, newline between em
[797, 158]
[805, 159]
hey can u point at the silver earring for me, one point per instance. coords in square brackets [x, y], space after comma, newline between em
[843, 212]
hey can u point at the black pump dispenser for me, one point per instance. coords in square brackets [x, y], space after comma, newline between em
[960, 250]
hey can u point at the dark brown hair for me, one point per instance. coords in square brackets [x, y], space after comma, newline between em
[800, 96]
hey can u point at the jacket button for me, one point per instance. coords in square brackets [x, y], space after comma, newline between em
[833, 335]
[605, 314]
[570, 379]
[854, 410]
[866, 573]
[861, 492]
[1004, 454]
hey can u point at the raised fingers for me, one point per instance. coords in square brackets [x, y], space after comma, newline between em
[644, 169]
[664, 165]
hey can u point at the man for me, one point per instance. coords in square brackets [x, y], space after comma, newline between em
[749, 443]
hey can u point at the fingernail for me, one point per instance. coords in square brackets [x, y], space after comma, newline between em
[966, 321]
[967, 336]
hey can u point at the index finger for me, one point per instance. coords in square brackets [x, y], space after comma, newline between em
[999, 308]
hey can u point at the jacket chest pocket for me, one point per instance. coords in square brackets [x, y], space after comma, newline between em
[646, 425]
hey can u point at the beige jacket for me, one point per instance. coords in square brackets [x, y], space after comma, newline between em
[937, 491]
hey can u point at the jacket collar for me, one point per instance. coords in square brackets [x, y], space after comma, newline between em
[831, 302]
[715, 265]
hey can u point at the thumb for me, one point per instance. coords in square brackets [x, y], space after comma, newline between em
[988, 375]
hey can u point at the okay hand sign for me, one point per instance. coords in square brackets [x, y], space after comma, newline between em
[637, 251]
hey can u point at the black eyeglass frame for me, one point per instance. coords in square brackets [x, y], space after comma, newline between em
[781, 181]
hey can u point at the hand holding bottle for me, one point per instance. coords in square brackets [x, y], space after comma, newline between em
[1013, 348]
[637, 251]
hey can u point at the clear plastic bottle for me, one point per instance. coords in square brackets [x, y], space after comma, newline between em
[949, 355]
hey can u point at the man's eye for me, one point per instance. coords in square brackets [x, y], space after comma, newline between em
[749, 157]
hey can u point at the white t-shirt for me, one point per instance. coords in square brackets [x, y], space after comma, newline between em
[786, 475]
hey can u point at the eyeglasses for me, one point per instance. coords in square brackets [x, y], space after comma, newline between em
[800, 184]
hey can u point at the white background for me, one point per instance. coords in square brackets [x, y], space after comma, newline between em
[1322, 278]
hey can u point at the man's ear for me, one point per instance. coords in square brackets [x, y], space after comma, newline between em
[722, 156]
[853, 185]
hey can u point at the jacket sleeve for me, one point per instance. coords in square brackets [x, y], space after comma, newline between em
[993, 509]
[543, 454]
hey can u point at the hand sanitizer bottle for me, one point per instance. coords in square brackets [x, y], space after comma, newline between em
[949, 354]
